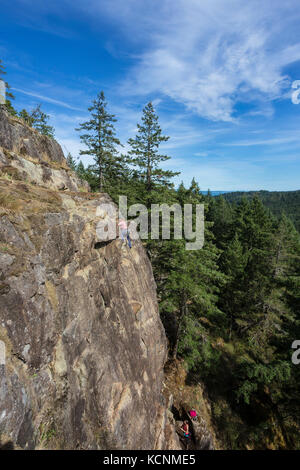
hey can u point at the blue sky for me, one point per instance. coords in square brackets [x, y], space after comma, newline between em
[219, 72]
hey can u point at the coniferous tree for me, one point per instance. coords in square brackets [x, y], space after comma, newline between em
[100, 138]
[221, 214]
[276, 201]
[71, 162]
[26, 116]
[188, 285]
[38, 119]
[81, 171]
[247, 261]
[9, 96]
[254, 366]
[87, 174]
[144, 153]
[40, 122]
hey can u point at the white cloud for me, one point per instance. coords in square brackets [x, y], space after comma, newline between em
[201, 154]
[210, 55]
[204, 56]
[47, 99]
[281, 139]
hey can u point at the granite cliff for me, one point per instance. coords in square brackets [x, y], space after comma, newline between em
[79, 322]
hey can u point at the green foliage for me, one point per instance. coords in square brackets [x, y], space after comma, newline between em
[71, 162]
[38, 119]
[26, 116]
[254, 375]
[9, 96]
[35, 118]
[144, 154]
[232, 309]
[47, 432]
[99, 136]
[222, 215]
[260, 300]
[276, 201]
[188, 285]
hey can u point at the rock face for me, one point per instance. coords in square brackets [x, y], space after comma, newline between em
[84, 344]
[37, 159]
[181, 398]
[202, 436]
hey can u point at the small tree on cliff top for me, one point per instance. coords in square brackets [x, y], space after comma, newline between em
[9, 95]
[101, 141]
[38, 119]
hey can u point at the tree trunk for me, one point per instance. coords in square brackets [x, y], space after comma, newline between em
[100, 179]
[148, 169]
[100, 157]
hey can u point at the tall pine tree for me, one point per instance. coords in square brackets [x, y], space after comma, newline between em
[100, 138]
[188, 284]
[144, 154]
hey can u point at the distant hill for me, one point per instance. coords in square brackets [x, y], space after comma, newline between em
[214, 193]
[276, 201]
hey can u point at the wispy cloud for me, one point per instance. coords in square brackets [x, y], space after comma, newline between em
[217, 71]
[47, 99]
[201, 154]
[210, 55]
[268, 141]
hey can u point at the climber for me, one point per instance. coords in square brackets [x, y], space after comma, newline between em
[185, 429]
[193, 414]
[124, 232]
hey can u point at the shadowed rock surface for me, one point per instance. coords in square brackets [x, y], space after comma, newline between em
[85, 347]
[181, 398]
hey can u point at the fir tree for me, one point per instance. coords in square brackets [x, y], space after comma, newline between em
[221, 214]
[188, 284]
[26, 116]
[144, 154]
[9, 96]
[40, 122]
[247, 261]
[80, 170]
[100, 138]
[38, 119]
[71, 162]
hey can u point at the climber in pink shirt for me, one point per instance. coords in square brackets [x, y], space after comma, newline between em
[193, 414]
[122, 224]
[124, 231]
